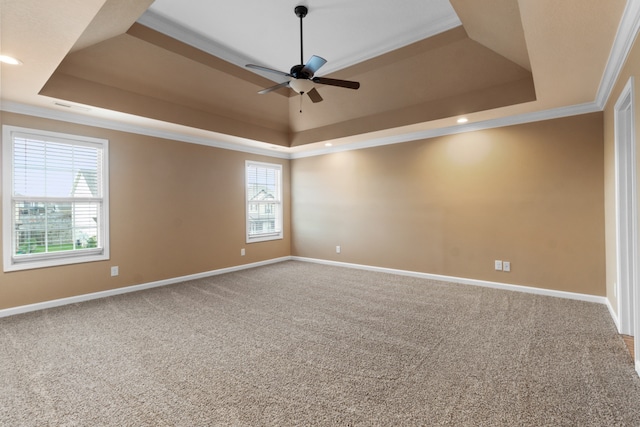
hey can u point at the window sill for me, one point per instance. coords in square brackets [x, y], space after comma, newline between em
[264, 238]
[10, 265]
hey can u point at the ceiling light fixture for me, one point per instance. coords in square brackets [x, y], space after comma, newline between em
[462, 120]
[9, 60]
[301, 86]
[328, 144]
[71, 106]
[303, 75]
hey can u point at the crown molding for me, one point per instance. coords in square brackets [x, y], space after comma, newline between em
[81, 119]
[622, 44]
[433, 27]
[625, 36]
[179, 32]
[518, 119]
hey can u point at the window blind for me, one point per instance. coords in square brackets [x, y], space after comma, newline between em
[57, 206]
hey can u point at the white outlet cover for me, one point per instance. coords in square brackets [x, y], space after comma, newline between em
[506, 266]
[498, 265]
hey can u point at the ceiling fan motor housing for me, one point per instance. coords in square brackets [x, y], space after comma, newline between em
[298, 73]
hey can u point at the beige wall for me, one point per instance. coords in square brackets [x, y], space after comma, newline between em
[531, 194]
[175, 209]
[631, 69]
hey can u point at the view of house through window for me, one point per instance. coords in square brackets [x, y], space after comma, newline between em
[54, 199]
[264, 201]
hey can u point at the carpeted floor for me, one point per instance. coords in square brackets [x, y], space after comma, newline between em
[304, 344]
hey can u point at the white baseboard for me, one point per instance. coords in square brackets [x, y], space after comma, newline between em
[474, 282]
[103, 294]
[127, 289]
[613, 314]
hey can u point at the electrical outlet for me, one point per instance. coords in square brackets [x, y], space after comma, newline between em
[506, 266]
[338, 249]
[115, 271]
[242, 252]
[498, 265]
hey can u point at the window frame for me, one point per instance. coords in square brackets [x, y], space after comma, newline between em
[51, 259]
[279, 233]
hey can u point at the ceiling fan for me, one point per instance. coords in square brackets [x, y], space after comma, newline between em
[303, 75]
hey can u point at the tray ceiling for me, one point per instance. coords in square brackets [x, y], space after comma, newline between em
[178, 67]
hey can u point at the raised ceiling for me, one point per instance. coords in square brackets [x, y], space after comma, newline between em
[177, 66]
[267, 33]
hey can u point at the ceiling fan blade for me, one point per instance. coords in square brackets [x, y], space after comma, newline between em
[335, 82]
[314, 95]
[272, 88]
[270, 70]
[313, 64]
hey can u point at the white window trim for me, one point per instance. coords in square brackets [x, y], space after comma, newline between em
[278, 235]
[9, 263]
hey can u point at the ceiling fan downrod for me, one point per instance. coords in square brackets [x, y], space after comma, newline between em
[301, 12]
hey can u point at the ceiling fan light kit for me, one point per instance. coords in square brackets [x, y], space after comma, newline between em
[302, 76]
[301, 85]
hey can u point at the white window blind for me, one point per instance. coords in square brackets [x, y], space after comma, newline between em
[264, 201]
[54, 199]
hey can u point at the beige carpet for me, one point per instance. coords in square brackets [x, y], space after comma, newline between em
[304, 344]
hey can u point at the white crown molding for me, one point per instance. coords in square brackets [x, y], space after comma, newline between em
[165, 26]
[172, 29]
[434, 28]
[625, 36]
[81, 119]
[535, 116]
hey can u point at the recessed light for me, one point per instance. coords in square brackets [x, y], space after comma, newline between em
[10, 60]
[70, 106]
[462, 120]
[328, 144]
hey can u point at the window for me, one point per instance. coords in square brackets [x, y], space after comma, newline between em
[54, 198]
[264, 201]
